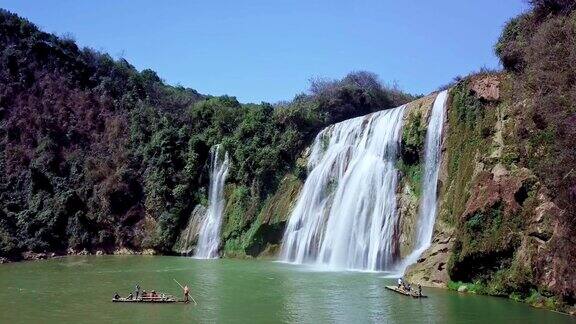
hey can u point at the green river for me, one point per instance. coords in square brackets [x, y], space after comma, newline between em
[79, 290]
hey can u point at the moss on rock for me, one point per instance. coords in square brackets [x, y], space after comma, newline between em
[251, 235]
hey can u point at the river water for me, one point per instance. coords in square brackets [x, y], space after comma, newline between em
[79, 289]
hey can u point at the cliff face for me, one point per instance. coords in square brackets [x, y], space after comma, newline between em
[496, 219]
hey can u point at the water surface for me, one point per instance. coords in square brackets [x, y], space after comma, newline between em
[79, 289]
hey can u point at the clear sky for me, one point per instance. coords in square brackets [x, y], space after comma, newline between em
[267, 50]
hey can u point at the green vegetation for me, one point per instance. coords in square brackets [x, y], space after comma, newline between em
[412, 174]
[474, 288]
[413, 137]
[250, 234]
[410, 163]
[467, 119]
[497, 251]
[538, 51]
[487, 228]
[97, 155]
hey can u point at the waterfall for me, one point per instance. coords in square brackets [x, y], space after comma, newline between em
[209, 237]
[428, 203]
[345, 216]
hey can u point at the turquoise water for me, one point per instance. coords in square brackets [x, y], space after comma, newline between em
[79, 289]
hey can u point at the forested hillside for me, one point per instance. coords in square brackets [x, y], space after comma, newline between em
[99, 156]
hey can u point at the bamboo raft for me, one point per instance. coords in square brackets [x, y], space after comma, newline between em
[153, 297]
[158, 300]
[405, 293]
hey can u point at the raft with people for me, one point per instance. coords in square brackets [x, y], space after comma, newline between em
[153, 297]
[146, 297]
[405, 292]
[166, 299]
[405, 288]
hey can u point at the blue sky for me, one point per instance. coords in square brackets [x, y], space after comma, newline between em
[268, 50]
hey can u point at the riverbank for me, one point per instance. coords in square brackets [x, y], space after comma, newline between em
[36, 256]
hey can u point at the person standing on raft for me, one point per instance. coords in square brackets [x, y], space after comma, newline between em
[186, 294]
[137, 291]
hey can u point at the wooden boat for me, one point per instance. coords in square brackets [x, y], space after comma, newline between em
[158, 300]
[405, 293]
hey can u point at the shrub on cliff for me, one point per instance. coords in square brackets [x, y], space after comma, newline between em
[358, 93]
[539, 50]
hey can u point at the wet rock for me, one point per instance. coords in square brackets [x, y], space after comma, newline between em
[148, 252]
[431, 270]
[123, 251]
[189, 236]
[462, 288]
[32, 256]
[407, 209]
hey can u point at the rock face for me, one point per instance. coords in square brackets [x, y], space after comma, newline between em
[431, 270]
[486, 88]
[189, 236]
[410, 165]
[254, 228]
[497, 226]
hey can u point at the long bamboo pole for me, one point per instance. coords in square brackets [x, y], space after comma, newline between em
[195, 303]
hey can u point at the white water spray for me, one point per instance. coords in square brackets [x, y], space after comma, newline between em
[209, 237]
[345, 217]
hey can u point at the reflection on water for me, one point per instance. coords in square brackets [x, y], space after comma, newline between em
[79, 289]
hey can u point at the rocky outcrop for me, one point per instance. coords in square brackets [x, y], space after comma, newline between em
[498, 228]
[410, 165]
[431, 269]
[255, 228]
[407, 206]
[189, 236]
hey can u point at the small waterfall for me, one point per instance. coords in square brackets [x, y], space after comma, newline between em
[209, 237]
[428, 203]
[345, 217]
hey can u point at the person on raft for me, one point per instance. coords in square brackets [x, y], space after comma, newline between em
[399, 283]
[419, 290]
[137, 290]
[186, 294]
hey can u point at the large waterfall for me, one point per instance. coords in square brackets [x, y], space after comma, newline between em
[209, 237]
[428, 203]
[345, 216]
[346, 213]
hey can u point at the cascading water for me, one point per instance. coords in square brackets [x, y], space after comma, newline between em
[345, 217]
[209, 237]
[428, 203]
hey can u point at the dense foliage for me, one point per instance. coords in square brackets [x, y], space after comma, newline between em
[538, 48]
[97, 155]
